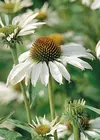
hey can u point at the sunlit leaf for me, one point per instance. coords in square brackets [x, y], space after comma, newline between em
[8, 134]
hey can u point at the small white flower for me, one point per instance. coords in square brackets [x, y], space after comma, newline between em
[46, 57]
[7, 94]
[22, 25]
[95, 5]
[44, 127]
[93, 130]
[47, 14]
[97, 49]
[13, 6]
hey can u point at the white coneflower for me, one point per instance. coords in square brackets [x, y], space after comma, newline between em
[47, 57]
[95, 5]
[92, 128]
[97, 49]
[22, 25]
[44, 127]
[47, 14]
[13, 6]
[8, 94]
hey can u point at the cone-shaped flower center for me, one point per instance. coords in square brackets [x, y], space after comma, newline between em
[45, 49]
[41, 15]
[42, 129]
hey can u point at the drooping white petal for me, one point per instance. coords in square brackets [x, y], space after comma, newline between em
[36, 69]
[75, 50]
[23, 56]
[95, 5]
[28, 74]
[56, 74]
[95, 124]
[17, 74]
[92, 133]
[63, 70]
[98, 50]
[77, 62]
[44, 74]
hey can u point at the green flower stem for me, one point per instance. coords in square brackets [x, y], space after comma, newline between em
[23, 88]
[14, 55]
[76, 132]
[26, 101]
[51, 98]
[51, 101]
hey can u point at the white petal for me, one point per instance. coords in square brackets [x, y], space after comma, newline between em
[28, 28]
[78, 63]
[92, 133]
[44, 7]
[44, 74]
[95, 4]
[98, 50]
[30, 18]
[38, 122]
[17, 74]
[56, 74]
[28, 75]
[76, 50]
[36, 69]
[63, 71]
[95, 124]
[26, 33]
[23, 56]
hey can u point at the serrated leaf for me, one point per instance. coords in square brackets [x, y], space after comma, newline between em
[8, 134]
[93, 109]
[6, 117]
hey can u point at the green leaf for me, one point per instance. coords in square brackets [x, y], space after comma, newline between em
[98, 138]
[21, 125]
[6, 117]
[23, 138]
[8, 134]
[93, 109]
